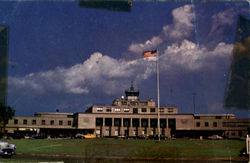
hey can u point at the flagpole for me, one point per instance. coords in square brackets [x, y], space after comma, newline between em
[158, 96]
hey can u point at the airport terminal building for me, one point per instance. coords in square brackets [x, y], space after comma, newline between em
[132, 117]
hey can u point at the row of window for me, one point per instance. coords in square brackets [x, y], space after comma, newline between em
[216, 117]
[43, 122]
[135, 122]
[206, 124]
[135, 110]
[134, 103]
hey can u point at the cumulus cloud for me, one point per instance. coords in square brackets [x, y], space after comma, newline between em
[109, 75]
[222, 18]
[222, 27]
[182, 23]
[98, 71]
[181, 27]
[191, 57]
[149, 44]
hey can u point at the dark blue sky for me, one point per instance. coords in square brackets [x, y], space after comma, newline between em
[53, 62]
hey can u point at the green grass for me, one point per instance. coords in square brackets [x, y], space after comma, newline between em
[130, 148]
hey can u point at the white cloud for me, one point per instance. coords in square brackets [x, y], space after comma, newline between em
[188, 56]
[149, 44]
[221, 21]
[222, 18]
[181, 28]
[182, 23]
[109, 75]
[98, 72]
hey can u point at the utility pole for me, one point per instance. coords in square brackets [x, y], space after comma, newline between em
[194, 94]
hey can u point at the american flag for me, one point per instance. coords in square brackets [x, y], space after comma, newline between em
[148, 53]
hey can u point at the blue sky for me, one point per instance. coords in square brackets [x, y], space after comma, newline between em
[62, 56]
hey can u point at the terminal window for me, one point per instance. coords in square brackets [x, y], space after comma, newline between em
[99, 109]
[170, 110]
[117, 109]
[25, 122]
[152, 109]
[108, 110]
[206, 124]
[126, 109]
[15, 121]
[33, 121]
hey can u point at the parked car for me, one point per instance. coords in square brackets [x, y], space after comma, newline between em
[122, 137]
[6, 149]
[89, 136]
[215, 137]
[144, 136]
[39, 136]
[79, 136]
[162, 137]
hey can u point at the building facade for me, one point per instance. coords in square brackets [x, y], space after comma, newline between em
[132, 117]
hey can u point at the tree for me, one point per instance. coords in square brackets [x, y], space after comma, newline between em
[6, 113]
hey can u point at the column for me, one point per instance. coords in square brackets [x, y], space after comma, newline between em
[122, 129]
[112, 128]
[149, 127]
[139, 129]
[131, 131]
[103, 127]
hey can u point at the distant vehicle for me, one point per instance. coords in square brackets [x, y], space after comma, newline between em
[122, 137]
[89, 136]
[79, 136]
[6, 149]
[144, 136]
[39, 136]
[155, 137]
[215, 137]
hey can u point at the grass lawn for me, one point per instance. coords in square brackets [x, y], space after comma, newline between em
[115, 148]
